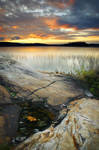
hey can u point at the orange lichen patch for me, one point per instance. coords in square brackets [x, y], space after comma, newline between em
[74, 102]
[15, 27]
[58, 135]
[74, 105]
[51, 129]
[75, 121]
[47, 136]
[30, 118]
[67, 121]
[75, 142]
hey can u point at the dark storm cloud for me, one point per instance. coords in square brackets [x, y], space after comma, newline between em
[80, 22]
[30, 17]
[84, 14]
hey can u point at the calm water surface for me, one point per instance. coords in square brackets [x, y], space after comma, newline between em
[54, 59]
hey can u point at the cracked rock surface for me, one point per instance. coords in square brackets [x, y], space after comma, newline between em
[28, 84]
[77, 127]
[79, 130]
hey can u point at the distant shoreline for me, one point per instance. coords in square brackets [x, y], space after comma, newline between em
[73, 44]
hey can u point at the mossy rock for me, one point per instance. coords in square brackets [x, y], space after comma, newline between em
[91, 80]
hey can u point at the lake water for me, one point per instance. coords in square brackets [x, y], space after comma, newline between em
[54, 59]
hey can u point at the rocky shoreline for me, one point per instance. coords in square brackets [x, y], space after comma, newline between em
[54, 103]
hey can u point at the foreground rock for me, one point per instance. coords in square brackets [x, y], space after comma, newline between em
[80, 126]
[79, 130]
[25, 84]
[9, 115]
[4, 95]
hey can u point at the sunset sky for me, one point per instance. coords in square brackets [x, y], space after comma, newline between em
[49, 21]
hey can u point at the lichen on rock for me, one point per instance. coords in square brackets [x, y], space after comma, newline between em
[79, 130]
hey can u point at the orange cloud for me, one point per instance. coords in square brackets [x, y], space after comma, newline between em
[97, 29]
[66, 4]
[40, 36]
[15, 27]
[61, 4]
[53, 24]
[34, 36]
[70, 2]
[1, 29]
[67, 26]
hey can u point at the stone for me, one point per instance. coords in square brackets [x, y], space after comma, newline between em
[27, 84]
[9, 116]
[2, 130]
[79, 130]
[4, 95]
[77, 127]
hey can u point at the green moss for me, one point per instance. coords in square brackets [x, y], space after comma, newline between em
[13, 94]
[10, 90]
[91, 79]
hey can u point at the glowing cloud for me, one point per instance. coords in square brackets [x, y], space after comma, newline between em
[15, 27]
[1, 29]
[49, 20]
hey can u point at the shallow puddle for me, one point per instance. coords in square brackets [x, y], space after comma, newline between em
[34, 117]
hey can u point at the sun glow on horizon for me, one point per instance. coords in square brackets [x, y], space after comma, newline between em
[48, 21]
[89, 39]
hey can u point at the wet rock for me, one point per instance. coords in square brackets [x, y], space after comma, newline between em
[20, 139]
[88, 93]
[35, 130]
[34, 117]
[78, 130]
[2, 131]
[4, 95]
[9, 115]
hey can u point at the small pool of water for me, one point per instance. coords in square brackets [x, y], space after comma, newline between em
[34, 117]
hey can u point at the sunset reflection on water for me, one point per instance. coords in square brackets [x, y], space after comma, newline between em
[54, 59]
